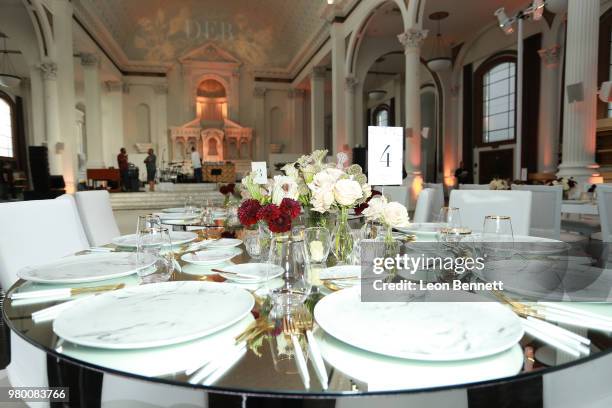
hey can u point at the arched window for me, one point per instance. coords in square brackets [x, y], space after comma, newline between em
[7, 127]
[495, 102]
[382, 116]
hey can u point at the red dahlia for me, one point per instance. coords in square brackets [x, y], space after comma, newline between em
[282, 223]
[269, 212]
[291, 207]
[248, 212]
[359, 209]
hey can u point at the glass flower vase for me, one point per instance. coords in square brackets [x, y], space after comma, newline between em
[342, 239]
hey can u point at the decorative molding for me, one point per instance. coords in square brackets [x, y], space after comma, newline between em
[550, 56]
[350, 83]
[319, 72]
[412, 39]
[49, 70]
[89, 60]
[160, 89]
[259, 92]
[125, 88]
[113, 86]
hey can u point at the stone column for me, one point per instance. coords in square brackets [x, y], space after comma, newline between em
[350, 85]
[93, 114]
[52, 118]
[338, 56]
[397, 92]
[160, 131]
[580, 118]
[548, 126]
[261, 143]
[412, 40]
[112, 121]
[296, 97]
[317, 108]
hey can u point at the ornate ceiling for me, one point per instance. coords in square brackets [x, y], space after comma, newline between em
[261, 33]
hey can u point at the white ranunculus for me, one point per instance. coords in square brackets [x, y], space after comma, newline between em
[322, 199]
[325, 179]
[347, 191]
[290, 170]
[284, 187]
[395, 215]
[375, 208]
[367, 190]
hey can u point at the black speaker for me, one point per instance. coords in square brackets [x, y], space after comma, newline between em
[39, 168]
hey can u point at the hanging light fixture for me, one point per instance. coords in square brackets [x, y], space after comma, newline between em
[440, 59]
[8, 74]
[377, 94]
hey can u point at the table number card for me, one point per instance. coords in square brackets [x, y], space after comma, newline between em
[385, 155]
[260, 170]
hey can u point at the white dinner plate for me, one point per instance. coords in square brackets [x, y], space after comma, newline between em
[178, 216]
[177, 238]
[153, 315]
[211, 256]
[421, 229]
[342, 271]
[252, 272]
[432, 331]
[383, 373]
[224, 243]
[86, 268]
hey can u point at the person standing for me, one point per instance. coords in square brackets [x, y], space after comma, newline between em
[122, 161]
[151, 163]
[462, 174]
[196, 162]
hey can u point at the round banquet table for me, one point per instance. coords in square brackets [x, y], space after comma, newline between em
[254, 382]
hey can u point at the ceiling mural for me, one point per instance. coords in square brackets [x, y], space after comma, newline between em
[263, 33]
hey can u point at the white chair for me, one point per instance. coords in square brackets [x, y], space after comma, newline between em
[34, 232]
[395, 193]
[545, 210]
[474, 187]
[97, 216]
[438, 199]
[474, 205]
[604, 204]
[424, 206]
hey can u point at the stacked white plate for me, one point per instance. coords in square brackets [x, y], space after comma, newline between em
[251, 272]
[347, 275]
[177, 238]
[178, 215]
[153, 315]
[211, 256]
[473, 333]
[423, 230]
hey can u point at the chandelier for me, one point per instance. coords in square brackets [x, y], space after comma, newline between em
[440, 59]
[8, 74]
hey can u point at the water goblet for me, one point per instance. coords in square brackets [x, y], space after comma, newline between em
[318, 244]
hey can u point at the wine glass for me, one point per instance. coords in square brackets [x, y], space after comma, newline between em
[450, 217]
[497, 236]
[154, 242]
[318, 244]
[190, 206]
[253, 244]
[290, 254]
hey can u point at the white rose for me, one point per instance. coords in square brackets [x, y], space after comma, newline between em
[322, 199]
[375, 207]
[347, 191]
[367, 190]
[325, 179]
[395, 214]
[284, 187]
[290, 170]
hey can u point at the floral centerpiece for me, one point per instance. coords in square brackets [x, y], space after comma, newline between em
[390, 214]
[567, 183]
[498, 184]
[229, 191]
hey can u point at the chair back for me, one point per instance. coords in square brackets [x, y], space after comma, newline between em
[395, 193]
[97, 216]
[474, 187]
[475, 205]
[424, 206]
[604, 203]
[545, 210]
[35, 232]
[438, 198]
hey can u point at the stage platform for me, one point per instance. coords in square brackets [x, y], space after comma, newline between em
[166, 195]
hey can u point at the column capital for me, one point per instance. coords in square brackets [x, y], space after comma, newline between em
[350, 83]
[259, 92]
[49, 70]
[412, 39]
[319, 72]
[550, 56]
[114, 86]
[89, 59]
[160, 89]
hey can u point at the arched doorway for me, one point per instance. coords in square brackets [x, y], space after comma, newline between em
[211, 101]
